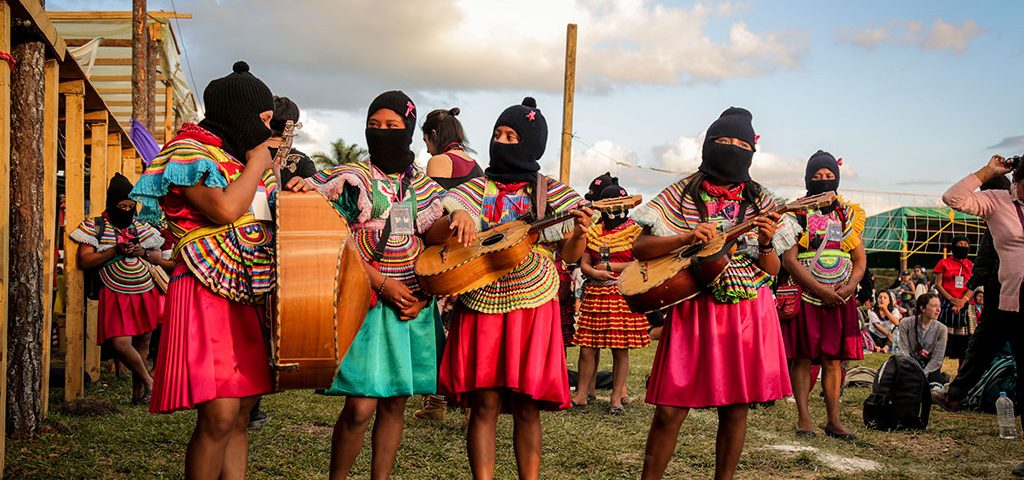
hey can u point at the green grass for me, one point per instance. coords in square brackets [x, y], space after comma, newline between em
[581, 444]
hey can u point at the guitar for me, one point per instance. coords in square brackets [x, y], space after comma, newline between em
[453, 268]
[284, 159]
[684, 273]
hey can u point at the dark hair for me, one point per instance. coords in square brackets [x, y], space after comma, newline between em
[922, 302]
[284, 109]
[877, 306]
[443, 129]
[1018, 173]
[752, 192]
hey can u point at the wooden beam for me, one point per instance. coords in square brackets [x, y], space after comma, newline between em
[168, 111]
[74, 213]
[51, 105]
[72, 87]
[113, 155]
[120, 103]
[122, 91]
[106, 42]
[42, 21]
[121, 78]
[108, 15]
[130, 164]
[97, 203]
[568, 101]
[5, 207]
[112, 61]
[97, 116]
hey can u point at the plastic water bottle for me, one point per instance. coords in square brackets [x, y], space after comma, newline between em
[1004, 413]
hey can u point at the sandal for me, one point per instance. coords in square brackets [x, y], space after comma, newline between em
[617, 410]
[627, 400]
[847, 436]
[578, 406]
[805, 433]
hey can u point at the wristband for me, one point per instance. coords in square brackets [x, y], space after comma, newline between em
[381, 288]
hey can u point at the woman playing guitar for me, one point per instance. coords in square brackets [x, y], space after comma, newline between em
[504, 349]
[722, 348]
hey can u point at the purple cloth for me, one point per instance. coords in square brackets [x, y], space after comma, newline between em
[144, 142]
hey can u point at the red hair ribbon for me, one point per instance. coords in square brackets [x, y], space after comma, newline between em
[756, 138]
[840, 161]
[9, 58]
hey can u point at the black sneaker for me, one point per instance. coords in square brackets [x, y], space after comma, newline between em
[257, 419]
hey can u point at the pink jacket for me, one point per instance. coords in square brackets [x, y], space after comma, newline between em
[999, 209]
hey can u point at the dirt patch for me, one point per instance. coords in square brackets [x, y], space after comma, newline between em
[310, 429]
[89, 407]
[932, 446]
[831, 460]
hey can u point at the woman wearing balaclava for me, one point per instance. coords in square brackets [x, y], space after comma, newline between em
[395, 354]
[605, 319]
[827, 262]
[951, 277]
[213, 184]
[722, 348]
[504, 351]
[130, 307]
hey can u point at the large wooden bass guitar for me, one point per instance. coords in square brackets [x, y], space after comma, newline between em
[323, 291]
[453, 268]
[684, 273]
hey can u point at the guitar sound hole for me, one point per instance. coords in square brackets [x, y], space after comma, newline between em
[491, 241]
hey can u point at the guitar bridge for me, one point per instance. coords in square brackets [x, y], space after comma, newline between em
[643, 271]
[444, 254]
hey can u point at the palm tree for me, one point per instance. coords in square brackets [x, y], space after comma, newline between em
[340, 154]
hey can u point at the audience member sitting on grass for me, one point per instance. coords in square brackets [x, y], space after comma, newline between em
[924, 339]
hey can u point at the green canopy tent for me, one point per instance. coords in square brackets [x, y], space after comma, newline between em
[916, 235]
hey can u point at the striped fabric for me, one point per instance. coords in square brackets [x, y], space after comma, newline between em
[237, 264]
[121, 274]
[535, 281]
[673, 213]
[376, 192]
[834, 265]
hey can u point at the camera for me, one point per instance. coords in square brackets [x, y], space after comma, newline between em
[1014, 161]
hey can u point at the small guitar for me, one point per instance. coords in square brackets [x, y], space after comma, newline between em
[453, 268]
[684, 273]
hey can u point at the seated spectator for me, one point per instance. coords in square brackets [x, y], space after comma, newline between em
[883, 321]
[924, 339]
[907, 289]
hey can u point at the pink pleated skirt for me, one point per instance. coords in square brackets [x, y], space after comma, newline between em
[715, 354]
[819, 332]
[210, 347]
[517, 352]
[127, 314]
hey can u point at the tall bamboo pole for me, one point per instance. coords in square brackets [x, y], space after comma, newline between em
[567, 101]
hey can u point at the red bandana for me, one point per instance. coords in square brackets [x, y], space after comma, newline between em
[494, 216]
[195, 132]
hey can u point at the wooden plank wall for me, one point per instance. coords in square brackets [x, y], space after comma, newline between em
[51, 108]
[74, 213]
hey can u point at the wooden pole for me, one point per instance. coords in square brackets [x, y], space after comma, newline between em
[97, 203]
[141, 83]
[51, 79]
[5, 181]
[74, 213]
[567, 101]
[151, 61]
[168, 113]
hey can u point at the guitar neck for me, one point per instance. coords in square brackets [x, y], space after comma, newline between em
[737, 230]
[555, 220]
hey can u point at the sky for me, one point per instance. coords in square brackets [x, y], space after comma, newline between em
[913, 95]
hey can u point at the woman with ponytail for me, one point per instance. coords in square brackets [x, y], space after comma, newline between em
[450, 164]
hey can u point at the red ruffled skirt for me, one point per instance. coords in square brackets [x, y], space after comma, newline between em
[715, 354]
[607, 322]
[210, 347]
[520, 352]
[820, 331]
[127, 314]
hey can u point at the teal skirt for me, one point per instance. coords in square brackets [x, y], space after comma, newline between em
[392, 358]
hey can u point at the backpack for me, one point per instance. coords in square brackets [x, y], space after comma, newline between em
[1001, 376]
[92, 275]
[900, 396]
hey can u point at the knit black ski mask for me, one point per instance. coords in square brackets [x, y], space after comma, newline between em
[389, 148]
[117, 192]
[519, 162]
[612, 220]
[729, 163]
[598, 185]
[960, 252]
[821, 159]
[233, 107]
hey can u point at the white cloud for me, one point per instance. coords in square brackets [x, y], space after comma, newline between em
[314, 133]
[466, 45]
[941, 35]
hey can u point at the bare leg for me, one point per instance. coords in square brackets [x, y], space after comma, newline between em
[732, 430]
[387, 435]
[661, 440]
[588, 369]
[526, 437]
[347, 440]
[620, 370]
[831, 382]
[215, 423]
[592, 385]
[131, 358]
[484, 408]
[236, 456]
[800, 379]
[141, 345]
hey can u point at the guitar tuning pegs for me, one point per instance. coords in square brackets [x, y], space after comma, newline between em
[298, 126]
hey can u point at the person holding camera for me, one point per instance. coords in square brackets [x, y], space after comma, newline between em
[1003, 211]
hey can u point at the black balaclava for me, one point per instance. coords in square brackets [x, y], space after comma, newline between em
[519, 162]
[598, 185]
[729, 163]
[960, 253]
[821, 159]
[117, 192]
[233, 107]
[389, 147]
[284, 109]
[613, 220]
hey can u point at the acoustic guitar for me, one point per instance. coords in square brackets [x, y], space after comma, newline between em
[323, 291]
[452, 268]
[684, 273]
